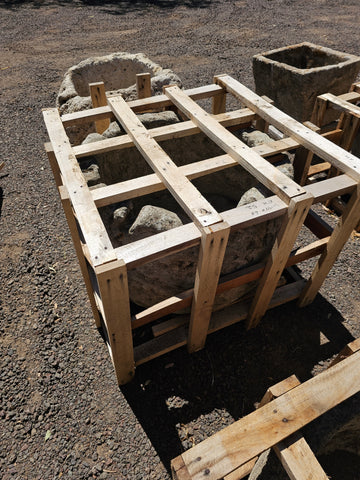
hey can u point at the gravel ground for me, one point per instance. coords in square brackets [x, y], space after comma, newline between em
[62, 414]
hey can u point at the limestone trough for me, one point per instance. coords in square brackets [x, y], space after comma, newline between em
[295, 75]
[118, 72]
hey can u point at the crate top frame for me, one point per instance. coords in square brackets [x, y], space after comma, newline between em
[86, 203]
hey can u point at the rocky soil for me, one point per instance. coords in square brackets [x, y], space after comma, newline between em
[61, 412]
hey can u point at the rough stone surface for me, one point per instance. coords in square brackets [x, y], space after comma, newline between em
[152, 220]
[294, 76]
[74, 95]
[254, 138]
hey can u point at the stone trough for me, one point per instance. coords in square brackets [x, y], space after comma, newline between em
[294, 76]
[146, 216]
[118, 72]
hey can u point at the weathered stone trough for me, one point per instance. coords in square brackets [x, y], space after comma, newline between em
[118, 72]
[294, 76]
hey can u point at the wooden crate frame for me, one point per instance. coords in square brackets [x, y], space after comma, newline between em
[286, 407]
[104, 268]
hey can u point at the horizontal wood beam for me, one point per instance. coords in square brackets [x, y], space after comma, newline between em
[236, 444]
[143, 105]
[344, 161]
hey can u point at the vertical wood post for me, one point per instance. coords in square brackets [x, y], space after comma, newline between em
[79, 252]
[219, 103]
[114, 292]
[212, 250]
[341, 233]
[98, 98]
[53, 164]
[292, 223]
[143, 85]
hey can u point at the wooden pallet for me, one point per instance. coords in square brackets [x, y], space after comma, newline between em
[286, 407]
[105, 268]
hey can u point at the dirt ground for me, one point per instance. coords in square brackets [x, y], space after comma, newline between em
[62, 414]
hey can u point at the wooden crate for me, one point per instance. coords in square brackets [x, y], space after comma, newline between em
[105, 268]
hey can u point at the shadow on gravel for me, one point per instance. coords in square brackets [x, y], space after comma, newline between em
[118, 7]
[221, 383]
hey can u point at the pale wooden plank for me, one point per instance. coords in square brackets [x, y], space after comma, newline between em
[253, 434]
[114, 292]
[347, 222]
[157, 102]
[143, 85]
[53, 164]
[241, 118]
[151, 183]
[242, 471]
[322, 147]
[175, 240]
[292, 223]
[65, 200]
[298, 459]
[348, 350]
[318, 168]
[219, 103]
[340, 104]
[227, 282]
[98, 99]
[272, 392]
[266, 173]
[190, 199]
[176, 338]
[180, 238]
[212, 250]
[96, 237]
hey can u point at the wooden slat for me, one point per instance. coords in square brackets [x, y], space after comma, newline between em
[339, 104]
[227, 282]
[267, 174]
[180, 238]
[238, 118]
[298, 459]
[318, 168]
[322, 147]
[98, 99]
[212, 250]
[317, 225]
[253, 434]
[157, 102]
[65, 199]
[53, 164]
[195, 205]
[93, 229]
[294, 218]
[143, 85]
[113, 286]
[347, 222]
[175, 240]
[176, 338]
[348, 350]
[273, 392]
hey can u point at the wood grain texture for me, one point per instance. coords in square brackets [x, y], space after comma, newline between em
[272, 423]
[344, 161]
[264, 172]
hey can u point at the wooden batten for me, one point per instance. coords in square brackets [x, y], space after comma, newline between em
[235, 445]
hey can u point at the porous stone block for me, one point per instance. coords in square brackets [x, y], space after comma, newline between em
[295, 75]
